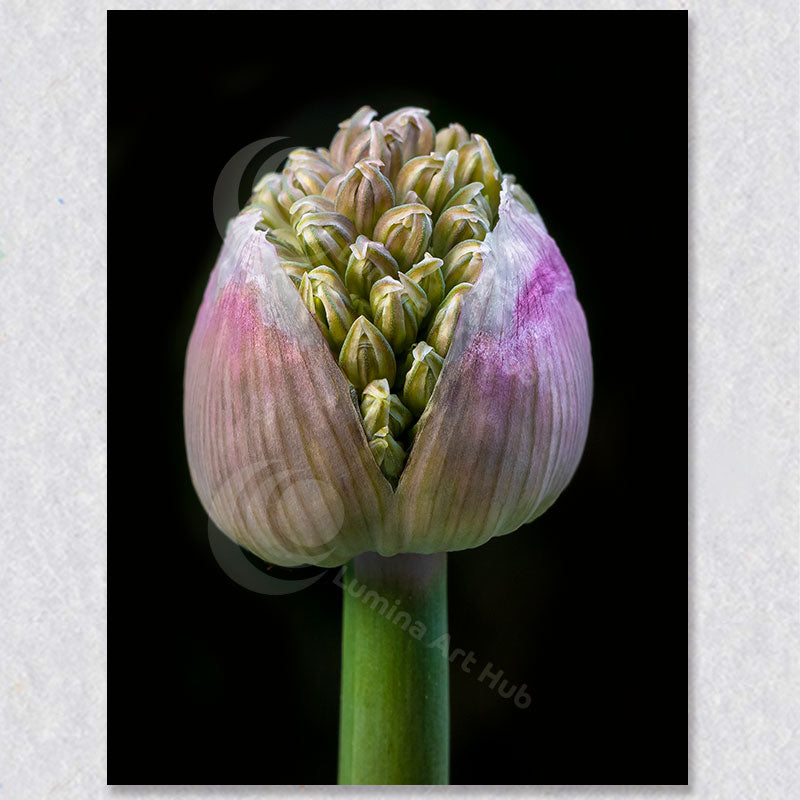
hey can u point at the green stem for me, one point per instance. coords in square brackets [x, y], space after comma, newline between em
[395, 712]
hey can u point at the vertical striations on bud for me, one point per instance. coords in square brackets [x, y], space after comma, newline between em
[366, 356]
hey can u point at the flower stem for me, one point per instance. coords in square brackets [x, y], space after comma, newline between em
[395, 713]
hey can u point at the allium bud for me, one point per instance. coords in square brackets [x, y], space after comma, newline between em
[443, 325]
[326, 297]
[406, 231]
[398, 308]
[349, 131]
[382, 409]
[458, 438]
[451, 137]
[313, 204]
[366, 356]
[463, 263]
[421, 378]
[364, 195]
[428, 275]
[457, 224]
[388, 454]
[431, 177]
[369, 261]
[326, 238]
[414, 128]
[265, 197]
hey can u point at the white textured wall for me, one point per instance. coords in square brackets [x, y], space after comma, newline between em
[744, 366]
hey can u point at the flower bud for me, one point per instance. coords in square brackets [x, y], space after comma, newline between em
[388, 454]
[265, 197]
[428, 275]
[377, 143]
[440, 333]
[285, 243]
[326, 238]
[414, 128]
[406, 232]
[325, 296]
[312, 162]
[421, 378]
[349, 131]
[366, 356]
[398, 308]
[456, 224]
[451, 137]
[476, 162]
[297, 183]
[369, 261]
[432, 177]
[381, 409]
[313, 204]
[295, 270]
[364, 195]
[463, 263]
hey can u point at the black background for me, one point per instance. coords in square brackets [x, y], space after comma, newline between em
[211, 683]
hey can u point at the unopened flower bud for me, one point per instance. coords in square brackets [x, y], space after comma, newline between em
[451, 137]
[364, 195]
[398, 308]
[348, 132]
[313, 204]
[476, 162]
[326, 297]
[456, 224]
[415, 130]
[443, 325]
[265, 197]
[366, 356]
[388, 453]
[382, 409]
[295, 270]
[312, 161]
[286, 244]
[428, 274]
[432, 177]
[421, 378]
[297, 183]
[406, 231]
[369, 261]
[326, 238]
[463, 263]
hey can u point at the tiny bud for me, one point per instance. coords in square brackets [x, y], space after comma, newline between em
[415, 130]
[440, 333]
[326, 297]
[297, 183]
[398, 308]
[421, 378]
[463, 263]
[366, 356]
[348, 132]
[369, 261]
[490, 174]
[451, 137]
[381, 409]
[312, 161]
[326, 238]
[388, 453]
[456, 224]
[286, 244]
[432, 177]
[406, 232]
[313, 204]
[295, 270]
[265, 196]
[428, 274]
[364, 195]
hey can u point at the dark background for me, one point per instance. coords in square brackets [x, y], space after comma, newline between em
[212, 683]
